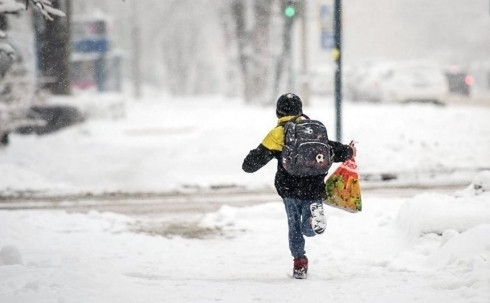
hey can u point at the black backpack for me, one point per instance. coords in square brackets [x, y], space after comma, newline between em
[306, 151]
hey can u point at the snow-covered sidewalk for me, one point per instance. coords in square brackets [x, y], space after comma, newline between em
[428, 248]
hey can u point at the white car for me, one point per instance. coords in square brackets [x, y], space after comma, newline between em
[418, 81]
[361, 79]
[369, 83]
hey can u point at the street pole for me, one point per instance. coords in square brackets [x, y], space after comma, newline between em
[338, 70]
[304, 55]
[290, 8]
[289, 53]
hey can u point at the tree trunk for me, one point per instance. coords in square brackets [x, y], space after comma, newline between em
[262, 54]
[55, 51]
[254, 48]
[238, 10]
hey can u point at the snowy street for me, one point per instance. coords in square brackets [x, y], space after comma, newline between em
[177, 214]
[387, 253]
[163, 203]
[154, 207]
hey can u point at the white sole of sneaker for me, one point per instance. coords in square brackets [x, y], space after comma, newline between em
[318, 220]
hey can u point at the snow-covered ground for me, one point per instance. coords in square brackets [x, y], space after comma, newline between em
[432, 247]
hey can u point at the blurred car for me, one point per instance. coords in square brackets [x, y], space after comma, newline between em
[355, 75]
[361, 78]
[372, 81]
[45, 119]
[322, 81]
[406, 82]
[459, 81]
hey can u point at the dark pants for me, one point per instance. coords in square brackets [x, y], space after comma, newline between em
[299, 214]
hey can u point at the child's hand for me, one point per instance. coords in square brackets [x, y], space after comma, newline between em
[354, 149]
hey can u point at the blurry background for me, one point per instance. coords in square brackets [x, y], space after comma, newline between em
[191, 47]
[393, 51]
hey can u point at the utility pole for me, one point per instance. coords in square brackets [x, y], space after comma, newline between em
[338, 70]
[285, 62]
[136, 51]
[305, 91]
[290, 11]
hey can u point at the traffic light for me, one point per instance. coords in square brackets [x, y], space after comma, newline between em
[290, 9]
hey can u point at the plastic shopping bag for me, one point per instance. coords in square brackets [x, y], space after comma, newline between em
[343, 189]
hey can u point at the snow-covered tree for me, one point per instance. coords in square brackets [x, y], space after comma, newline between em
[15, 7]
[12, 112]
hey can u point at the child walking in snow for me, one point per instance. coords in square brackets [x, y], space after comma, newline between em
[302, 195]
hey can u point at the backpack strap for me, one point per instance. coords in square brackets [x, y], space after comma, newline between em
[293, 119]
[305, 116]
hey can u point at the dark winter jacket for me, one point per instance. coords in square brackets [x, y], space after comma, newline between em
[289, 186]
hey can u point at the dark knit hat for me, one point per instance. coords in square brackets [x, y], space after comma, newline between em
[289, 105]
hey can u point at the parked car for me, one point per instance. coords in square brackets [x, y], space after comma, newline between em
[459, 81]
[46, 119]
[410, 81]
[371, 82]
[397, 81]
[361, 78]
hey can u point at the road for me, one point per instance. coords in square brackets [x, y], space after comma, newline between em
[179, 213]
[180, 202]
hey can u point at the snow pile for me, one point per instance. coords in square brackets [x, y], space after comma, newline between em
[467, 252]
[459, 227]
[436, 213]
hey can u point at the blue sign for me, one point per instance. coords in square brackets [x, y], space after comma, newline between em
[100, 45]
[326, 23]
[327, 40]
[325, 13]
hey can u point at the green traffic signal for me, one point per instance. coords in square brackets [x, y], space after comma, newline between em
[290, 11]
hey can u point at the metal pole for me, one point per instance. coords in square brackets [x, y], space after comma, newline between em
[338, 70]
[290, 55]
[304, 55]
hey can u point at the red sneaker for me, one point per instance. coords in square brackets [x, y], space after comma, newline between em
[300, 270]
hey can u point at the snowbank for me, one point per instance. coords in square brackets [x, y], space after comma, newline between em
[436, 213]
[459, 227]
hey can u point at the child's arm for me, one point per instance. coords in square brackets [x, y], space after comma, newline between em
[257, 158]
[342, 152]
